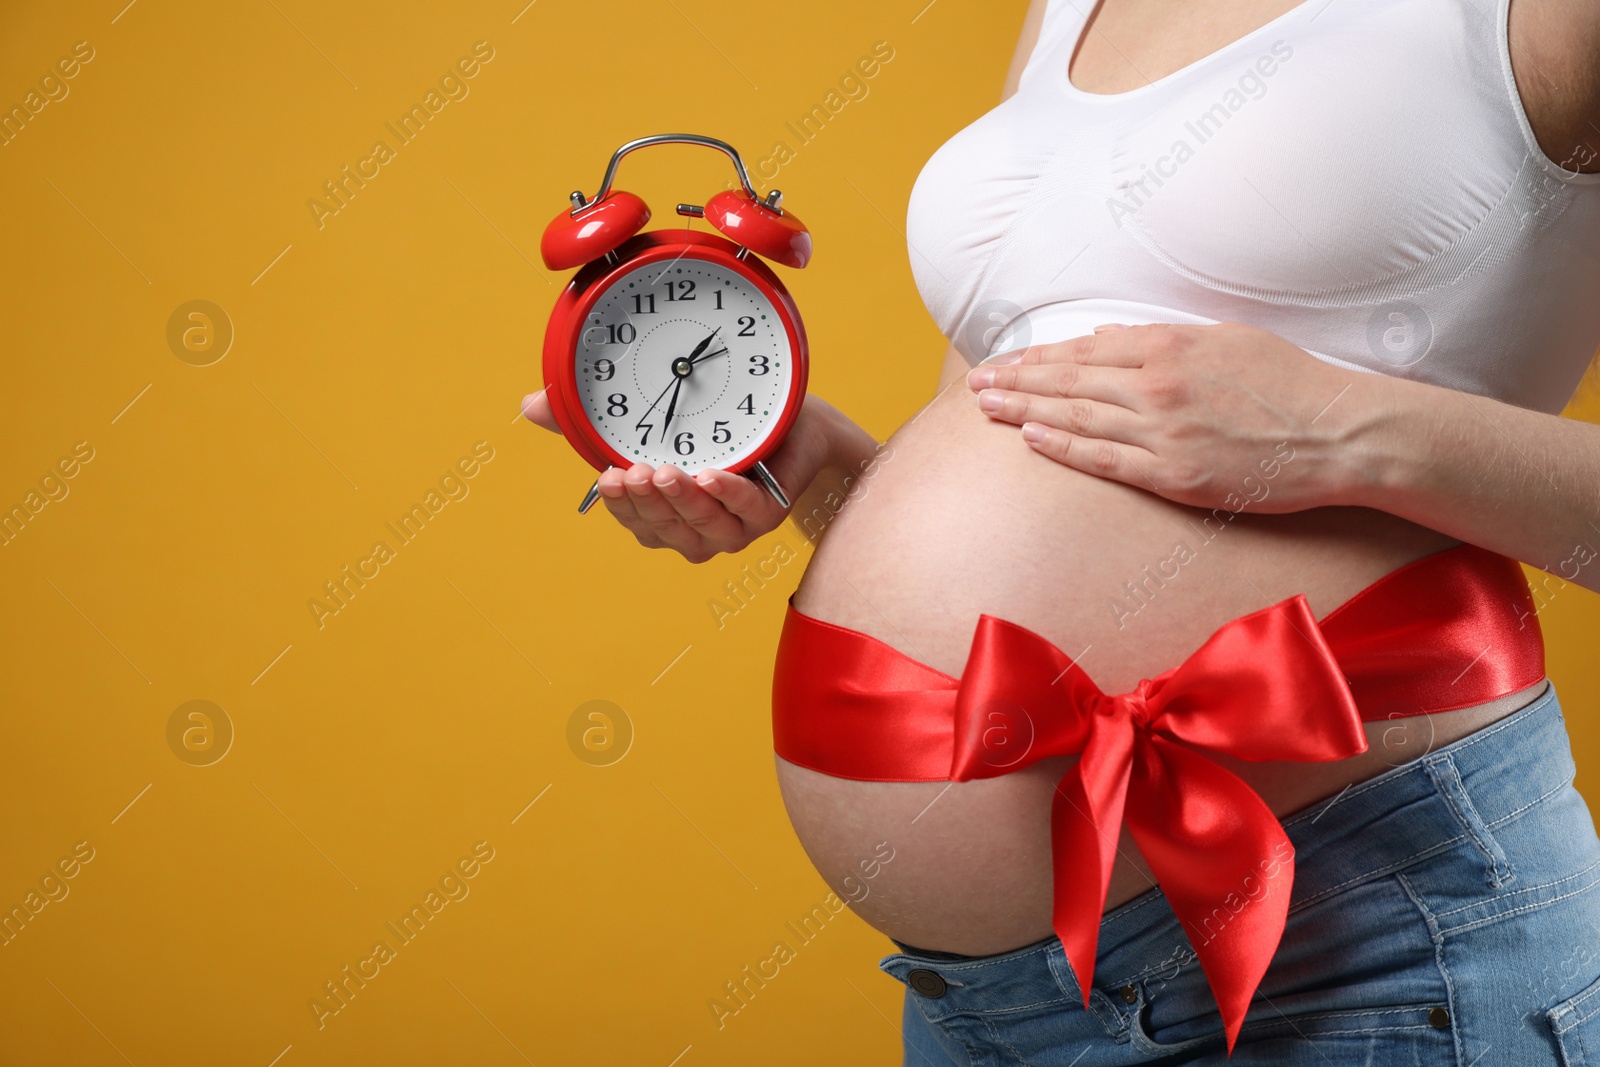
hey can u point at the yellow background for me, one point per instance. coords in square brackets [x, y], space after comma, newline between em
[428, 714]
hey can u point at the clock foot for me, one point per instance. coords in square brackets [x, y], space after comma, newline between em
[590, 497]
[761, 475]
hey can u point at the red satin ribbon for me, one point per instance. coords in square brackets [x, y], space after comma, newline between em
[1451, 630]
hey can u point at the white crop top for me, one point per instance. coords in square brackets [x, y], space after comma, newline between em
[1356, 176]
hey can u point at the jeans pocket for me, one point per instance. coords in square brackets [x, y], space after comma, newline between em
[1355, 979]
[1576, 1025]
[1411, 1034]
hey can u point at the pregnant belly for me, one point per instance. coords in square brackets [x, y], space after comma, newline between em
[962, 518]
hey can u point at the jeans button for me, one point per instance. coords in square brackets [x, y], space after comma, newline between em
[1129, 994]
[926, 983]
[1439, 1018]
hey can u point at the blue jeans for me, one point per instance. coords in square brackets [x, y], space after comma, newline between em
[1443, 913]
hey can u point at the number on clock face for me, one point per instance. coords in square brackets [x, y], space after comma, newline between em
[684, 362]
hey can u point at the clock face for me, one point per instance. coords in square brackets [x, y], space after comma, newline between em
[685, 362]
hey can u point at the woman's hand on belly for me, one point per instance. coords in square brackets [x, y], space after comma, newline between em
[1200, 415]
[1205, 415]
[715, 511]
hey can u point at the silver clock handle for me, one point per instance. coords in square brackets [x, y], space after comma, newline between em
[590, 497]
[760, 474]
[579, 203]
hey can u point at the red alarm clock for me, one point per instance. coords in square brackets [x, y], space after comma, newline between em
[676, 346]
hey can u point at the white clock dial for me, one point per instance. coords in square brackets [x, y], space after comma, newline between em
[684, 362]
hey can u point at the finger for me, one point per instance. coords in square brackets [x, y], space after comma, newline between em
[699, 510]
[1103, 459]
[1085, 418]
[614, 494]
[748, 502]
[536, 409]
[619, 502]
[1109, 349]
[654, 509]
[1113, 385]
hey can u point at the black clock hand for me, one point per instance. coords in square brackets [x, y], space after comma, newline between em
[671, 406]
[699, 355]
[699, 348]
[675, 380]
[693, 361]
[703, 345]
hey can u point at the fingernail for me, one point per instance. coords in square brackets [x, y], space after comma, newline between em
[709, 484]
[612, 490]
[991, 400]
[670, 487]
[1109, 326]
[981, 377]
[527, 401]
[1032, 432]
[1010, 357]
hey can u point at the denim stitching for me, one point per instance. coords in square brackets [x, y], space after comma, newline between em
[967, 965]
[1490, 919]
[1344, 1015]
[1009, 1010]
[1559, 1017]
[1540, 799]
[1507, 722]
[1112, 1021]
[1460, 745]
[994, 1035]
[1356, 790]
[1378, 872]
[1520, 892]
[1437, 846]
[1149, 1046]
[1132, 906]
[1145, 1042]
[933, 1024]
[1370, 1030]
[1293, 1021]
[1159, 968]
[967, 1051]
[1583, 997]
[1436, 935]
[1447, 780]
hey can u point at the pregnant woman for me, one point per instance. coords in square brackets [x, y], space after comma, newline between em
[1178, 648]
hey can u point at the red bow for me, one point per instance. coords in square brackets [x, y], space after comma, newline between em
[1263, 687]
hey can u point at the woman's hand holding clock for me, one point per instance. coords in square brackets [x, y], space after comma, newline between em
[715, 511]
[640, 319]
